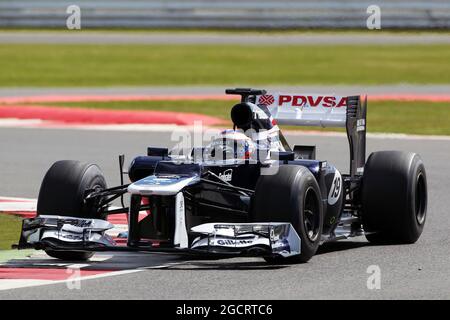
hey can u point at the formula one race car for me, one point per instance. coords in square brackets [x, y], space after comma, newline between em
[247, 193]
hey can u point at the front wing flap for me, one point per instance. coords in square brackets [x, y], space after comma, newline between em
[254, 239]
[52, 232]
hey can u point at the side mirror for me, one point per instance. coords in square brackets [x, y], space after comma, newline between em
[305, 152]
[157, 152]
[282, 155]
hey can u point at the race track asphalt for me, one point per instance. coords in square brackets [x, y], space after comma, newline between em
[307, 38]
[338, 271]
[431, 89]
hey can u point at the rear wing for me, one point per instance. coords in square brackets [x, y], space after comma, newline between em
[305, 110]
[317, 110]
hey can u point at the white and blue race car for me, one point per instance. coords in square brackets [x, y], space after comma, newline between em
[247, 193]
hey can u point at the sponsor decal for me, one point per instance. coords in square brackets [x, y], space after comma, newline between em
[312, 101]
[303, 101]
[231, 242]
[180, 237]
[266, 99]
[70, 236]
[227, 175]
[336, 188]
[75, 223]
[361, 125]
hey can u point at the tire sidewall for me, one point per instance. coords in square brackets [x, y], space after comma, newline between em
[303, 183]
[281, 198]
[414, 229]
[92, 177]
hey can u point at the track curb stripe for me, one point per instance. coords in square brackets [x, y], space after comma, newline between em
[194, 97]
[101, 116]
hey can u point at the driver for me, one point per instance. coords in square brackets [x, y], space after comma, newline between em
[231, 145]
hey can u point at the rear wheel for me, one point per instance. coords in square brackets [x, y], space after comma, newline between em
[62, 193]
[291, 195]
[394, 197]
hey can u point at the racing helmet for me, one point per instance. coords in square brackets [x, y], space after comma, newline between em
[230, 145]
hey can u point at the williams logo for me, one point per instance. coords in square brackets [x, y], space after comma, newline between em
[227, 175]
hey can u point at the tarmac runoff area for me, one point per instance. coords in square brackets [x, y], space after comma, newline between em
[313, 38]
[338, 270]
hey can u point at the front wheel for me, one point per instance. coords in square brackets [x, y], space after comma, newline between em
[291, 195]
[62, 193]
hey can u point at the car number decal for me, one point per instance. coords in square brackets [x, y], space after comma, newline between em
[335, 190]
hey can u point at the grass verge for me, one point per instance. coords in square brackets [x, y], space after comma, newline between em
[9, 230]
[430, 118]
[59, 65]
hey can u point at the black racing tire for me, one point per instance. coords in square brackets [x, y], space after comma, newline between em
[62, 193]
[291, 195]
[394, 197]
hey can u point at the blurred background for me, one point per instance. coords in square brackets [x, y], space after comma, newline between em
[126, 54]
[255, 14]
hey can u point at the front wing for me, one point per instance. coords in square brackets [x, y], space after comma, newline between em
[220, 239]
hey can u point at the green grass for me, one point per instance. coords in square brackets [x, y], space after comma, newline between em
[10, 227]
[47, 65]
[391, 116]
[430, 118]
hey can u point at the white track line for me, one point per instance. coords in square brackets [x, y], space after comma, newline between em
[16, 199]
[42, 124]
[17, 204]
[167, 128]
